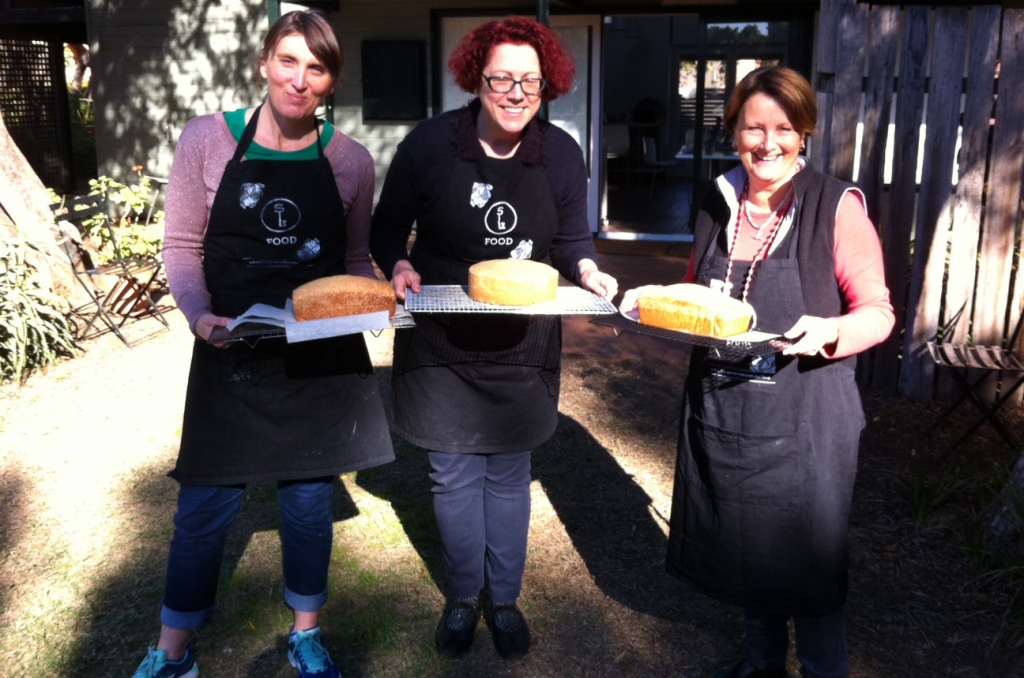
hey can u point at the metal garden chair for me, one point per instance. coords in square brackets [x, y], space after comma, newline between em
[971, 367]
[130, 294]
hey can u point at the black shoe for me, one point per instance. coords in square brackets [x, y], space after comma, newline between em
[458, 623]
[508, 628]
[745, 669]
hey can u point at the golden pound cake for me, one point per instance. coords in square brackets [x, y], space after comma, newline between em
[512, 282]
[695, 309]
[341, 295]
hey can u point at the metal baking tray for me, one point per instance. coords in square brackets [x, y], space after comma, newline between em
[455, 299]
[253, 332]
[747, 344]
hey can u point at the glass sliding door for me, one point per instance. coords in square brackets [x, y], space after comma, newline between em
[667, 80]
[706, 81]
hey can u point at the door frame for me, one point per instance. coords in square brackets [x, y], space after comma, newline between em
[798, 55]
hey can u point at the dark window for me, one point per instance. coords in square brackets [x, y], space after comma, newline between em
[394, 82]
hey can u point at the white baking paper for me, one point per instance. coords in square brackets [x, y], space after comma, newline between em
[308, 330]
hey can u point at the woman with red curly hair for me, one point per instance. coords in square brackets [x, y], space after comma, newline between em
[488, 181]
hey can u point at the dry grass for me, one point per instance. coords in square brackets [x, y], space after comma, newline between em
[85, 514]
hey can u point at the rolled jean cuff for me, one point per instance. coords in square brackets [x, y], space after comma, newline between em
[184, 620]
[305, 603]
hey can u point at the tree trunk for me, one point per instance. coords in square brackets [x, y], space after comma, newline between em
[81, 53]
[26, 206]
[1001, 520]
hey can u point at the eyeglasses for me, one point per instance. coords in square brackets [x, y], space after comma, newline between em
[502, 84]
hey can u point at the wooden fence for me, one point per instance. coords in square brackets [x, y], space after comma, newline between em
[950, 246]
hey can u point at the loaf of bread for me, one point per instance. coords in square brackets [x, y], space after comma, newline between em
[340, 295]
[695, 309]
[512, 282]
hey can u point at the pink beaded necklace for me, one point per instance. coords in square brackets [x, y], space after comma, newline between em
[775, 219]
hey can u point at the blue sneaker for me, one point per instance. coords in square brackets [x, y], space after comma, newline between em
[310, 657]
[155, 665]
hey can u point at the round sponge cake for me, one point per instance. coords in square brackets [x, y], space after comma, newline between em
[695, 309]
[342, 295]
[512, 282]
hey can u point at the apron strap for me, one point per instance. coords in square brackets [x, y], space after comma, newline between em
[250, 133]
[247, 135]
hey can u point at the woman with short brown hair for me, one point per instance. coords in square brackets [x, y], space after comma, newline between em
[767, 450]
[260, 201]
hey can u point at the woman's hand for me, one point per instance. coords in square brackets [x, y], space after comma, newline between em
[206, 323]
[404, 277]
[815, 336]
[601, 284]
[630, 298]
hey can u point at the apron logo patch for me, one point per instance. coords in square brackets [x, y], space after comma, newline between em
[281, 215]
[251, 194]
[524, 250]
[501, 218]
[310, 250]
[481, 194]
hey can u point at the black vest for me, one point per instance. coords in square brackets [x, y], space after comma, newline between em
[817, 201]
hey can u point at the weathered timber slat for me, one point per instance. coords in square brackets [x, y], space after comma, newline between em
[824, 80]
[978, 102]
[884, 41]
[897, 228]
[1002, 207]
[972, 160]
[935, 198]
[853, 40]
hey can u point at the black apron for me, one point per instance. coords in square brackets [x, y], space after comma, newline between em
[765, 472]
[277, 411]
[473, 383]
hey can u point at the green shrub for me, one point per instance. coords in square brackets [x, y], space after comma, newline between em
[33, 333]
[137, 236]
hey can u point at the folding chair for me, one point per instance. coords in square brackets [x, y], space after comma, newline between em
[157, 184]
[129, 297]
[986, 360]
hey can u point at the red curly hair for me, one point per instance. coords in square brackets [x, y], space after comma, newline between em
[471, 56]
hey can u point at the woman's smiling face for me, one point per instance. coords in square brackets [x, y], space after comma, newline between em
[510, 112]
[297, 81]
[767, 143]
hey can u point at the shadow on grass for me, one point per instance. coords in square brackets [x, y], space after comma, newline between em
[14, 520]
[637, 400]
[608, 516]
[405, 483]
[123, 607]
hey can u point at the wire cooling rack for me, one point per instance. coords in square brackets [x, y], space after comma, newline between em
[738, 346]
[455, 299]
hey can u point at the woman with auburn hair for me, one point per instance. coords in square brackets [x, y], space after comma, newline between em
[766, 462]
[260, 201]
[479, 392]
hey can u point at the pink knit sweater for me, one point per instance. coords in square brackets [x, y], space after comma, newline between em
[205, 147]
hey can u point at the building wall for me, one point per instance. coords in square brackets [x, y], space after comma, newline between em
[361, 20]
[159, 63]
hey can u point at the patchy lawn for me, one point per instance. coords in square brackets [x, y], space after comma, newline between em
[85, 516]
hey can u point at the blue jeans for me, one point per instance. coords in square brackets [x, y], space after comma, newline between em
[820, 642]
[201, 527]
[482, 505]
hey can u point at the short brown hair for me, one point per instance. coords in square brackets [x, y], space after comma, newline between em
[784, 86]
[469, 59]
[314, 26]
